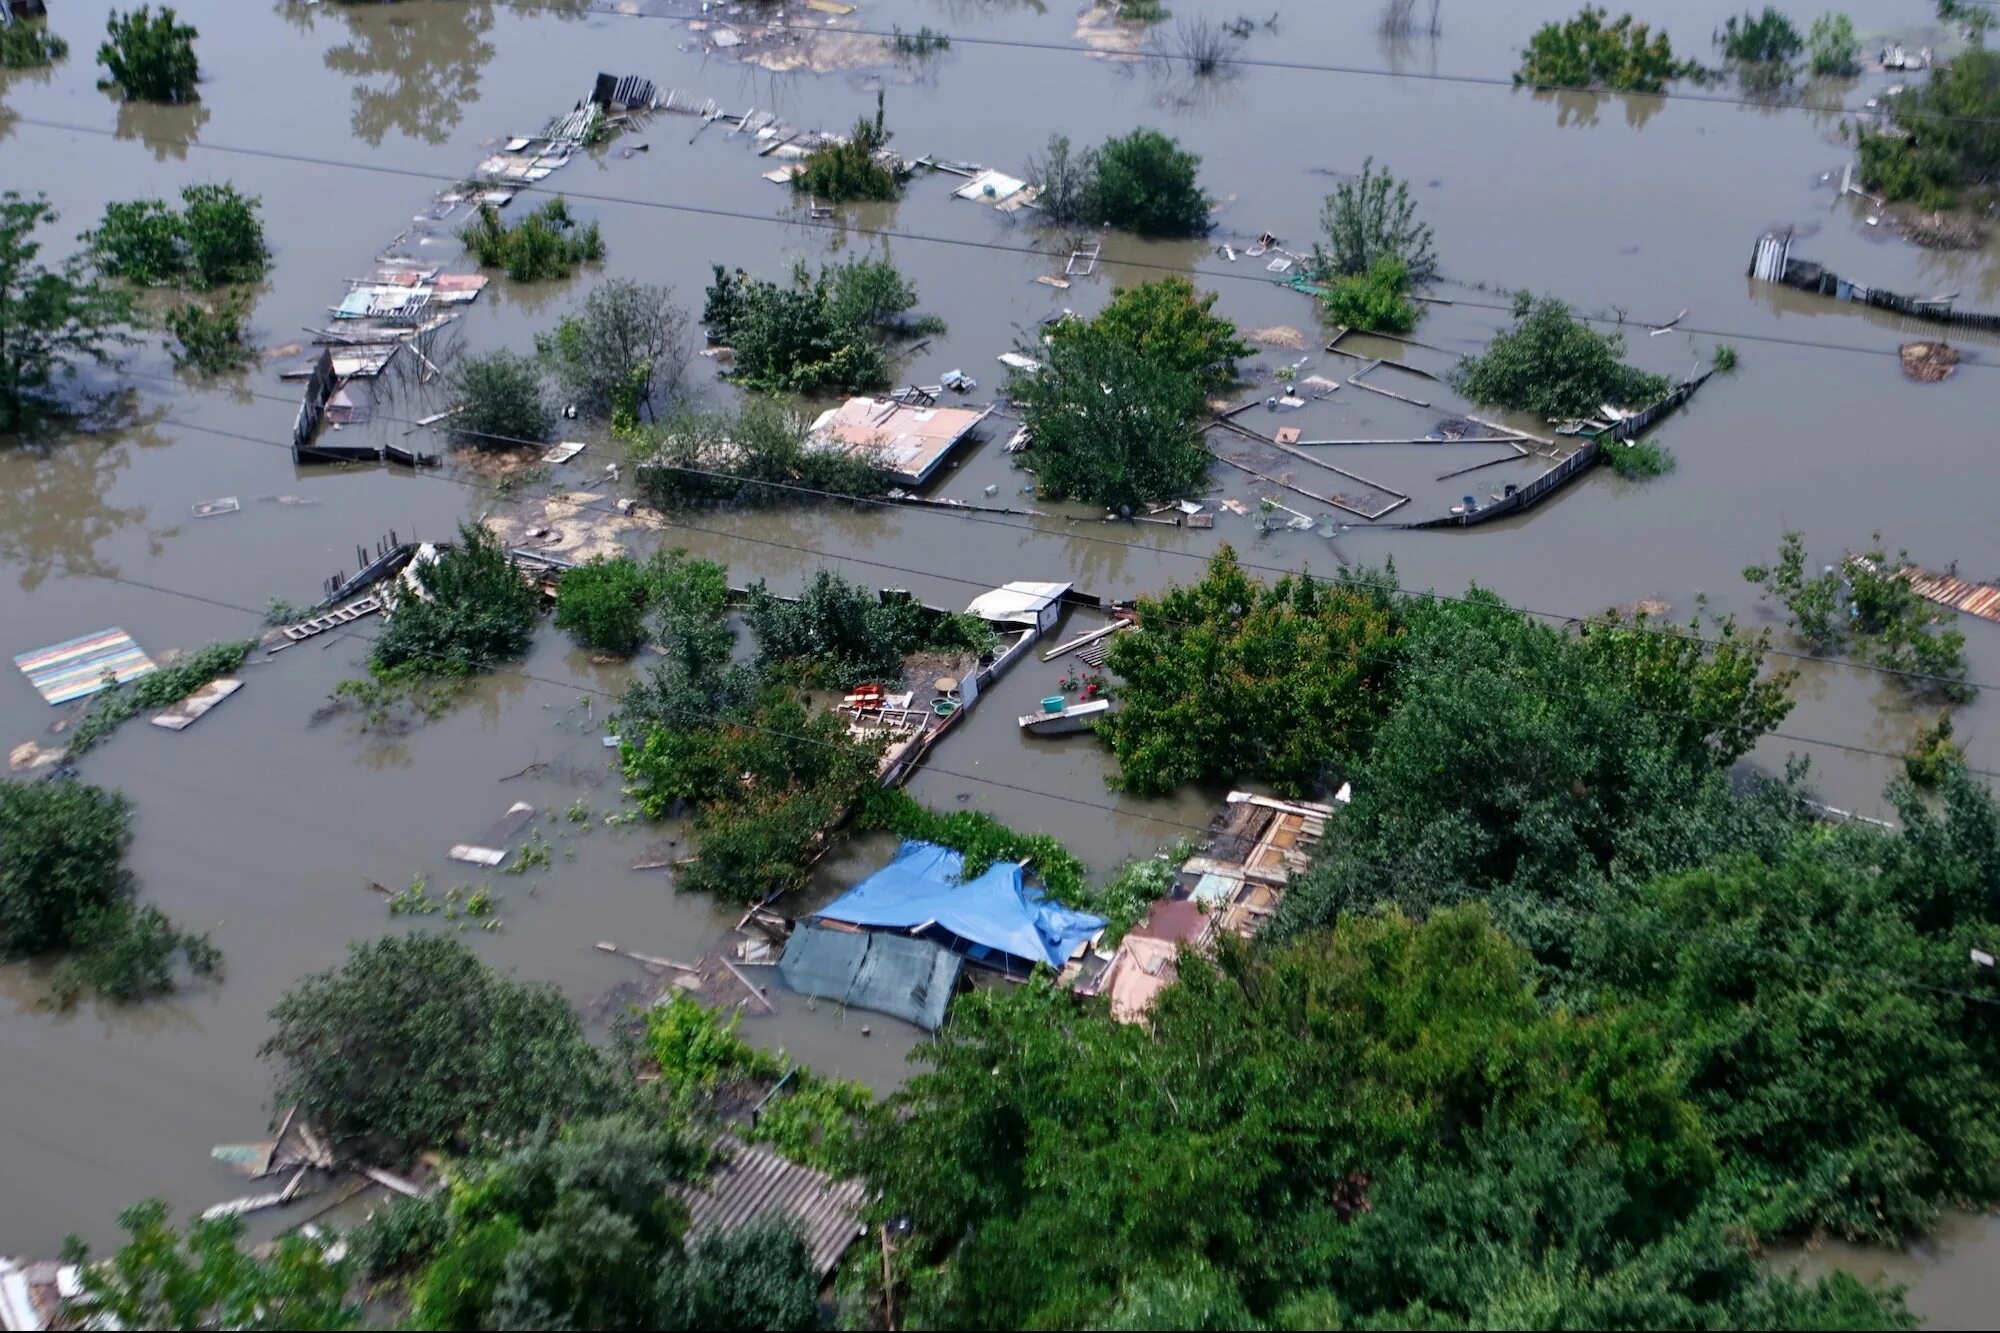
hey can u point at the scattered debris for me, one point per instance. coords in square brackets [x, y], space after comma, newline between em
[195, 706]
[491, 849]
[1974, 599]
[32, 759]
[1668, 327]
[563, 452]
[1928, 362]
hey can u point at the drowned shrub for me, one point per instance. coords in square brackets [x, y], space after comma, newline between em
[838, 172]
[1369, 219]
[1147, 183]
[756, 456]
[215, 238]
[1949, 134]
[547, 243]
[1587, 52]
[843, 634]
[1168, 321]
[1374, 301]
[602, 605]
[1554, 365]
[475, 611]
[209, 340]
[150, 59]
[821, 333]
[498, 402]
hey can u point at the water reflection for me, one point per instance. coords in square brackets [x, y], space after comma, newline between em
[428, 58]
[1580, 108]
[169, 131]
[11, 79]
[54, 505]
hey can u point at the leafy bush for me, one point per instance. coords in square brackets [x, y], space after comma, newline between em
[1832, 48]
[1108, 425]
[1723, 359]
[1369, 219]
[1169, 322]
[414, 1043]
[1637, 459]
[151, 59]
[1865, 607]
[27, 45]
[474, 611]
[846, 170]
[602, 605]
[215, 238]
[609, 356]
[1229, 678]
[759, 455]
[497, 401]
[823, 333]
[1587, 52]
[843, 634]
[980, 839]
[210, 340]
[1554, 365]
[126, 954]
[1766, 38]
[1948, 134]
[547, 243]
[158, 689]
[1147, 183]
[1374, 301]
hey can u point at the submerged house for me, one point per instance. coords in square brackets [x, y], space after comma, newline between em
[995, 920]
[908, 442]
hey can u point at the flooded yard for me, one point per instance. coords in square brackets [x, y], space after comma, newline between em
[267, 828]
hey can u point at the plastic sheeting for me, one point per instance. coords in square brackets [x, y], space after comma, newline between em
[995, 913]
[910, 979]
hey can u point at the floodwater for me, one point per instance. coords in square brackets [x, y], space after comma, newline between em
[266, 829]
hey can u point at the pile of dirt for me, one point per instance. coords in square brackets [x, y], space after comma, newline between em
[1942, 231]
[1278, 335]
[1928, 362]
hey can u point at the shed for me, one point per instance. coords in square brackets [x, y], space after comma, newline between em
[996, 919]
[907, 978]
[909, 442]
[1036, 604]
[747, 1183]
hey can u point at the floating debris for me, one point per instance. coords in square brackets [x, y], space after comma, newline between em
[227, 504]
[196, 706]
[1279, 335]
[1928, 362]
[77, 667]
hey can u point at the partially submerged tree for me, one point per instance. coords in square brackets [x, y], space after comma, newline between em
[821, 333]
[208, 339]
[1554, 365]
[150, 58]
[1833, 51]
[64, 890]
[497, 401]
[629, 341]
[602, 605]
[205, 1278]
[1947, 137]
[473, 612]
[48, 317]
[1229, 679]
[757, 455]
[1371, 218]
[1147, 183]
[1171, 323]
[1064, 178]
[850, 168]
[547, 243]
[414, 1043]
[1108, 425]
[840, 634]
[1762, 47]
[1587, 52]
[1376, 301]
[26, 44]
[215, 238]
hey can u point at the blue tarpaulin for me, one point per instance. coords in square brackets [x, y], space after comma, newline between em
[995, 913]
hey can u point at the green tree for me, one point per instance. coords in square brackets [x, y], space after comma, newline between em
[1064, 179]
[215, 238]
[1171, 323]
[210, 340]
[149, 58]
[498, 402]
[844, 169]
[62, 861]
[628, 339]
[756, 455]
[547, 243]
[1374, 301]
[475, 611]
[48, 317]
[1833, 51]
[1110, 426]
[1370, 219]
[1554, 365]
[1760, 39]
[28, 45]
[1147, 183]
[414, 1043]
[602, 605]
[204, 1278]
[821, 333]
[1588, 52]
[1230, 679]
[842, 634]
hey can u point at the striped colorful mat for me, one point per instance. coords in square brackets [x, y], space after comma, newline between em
[67, 671]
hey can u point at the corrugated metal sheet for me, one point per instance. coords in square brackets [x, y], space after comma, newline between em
[66, 671]
[748, 1182]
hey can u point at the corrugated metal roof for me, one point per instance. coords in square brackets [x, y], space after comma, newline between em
[749, 1182]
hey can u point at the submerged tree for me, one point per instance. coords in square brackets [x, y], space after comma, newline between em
[1587, 52]
[497, 401]
[1553, 364]
[1169, 322]
[48, 317]
[472, 611]
[629, 340]
[150, 58]
[1147, 183]
[1369, 219]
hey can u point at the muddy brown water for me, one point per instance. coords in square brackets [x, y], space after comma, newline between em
[265, 829]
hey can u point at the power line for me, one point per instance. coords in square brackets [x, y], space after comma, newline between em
[888, 233]
[1170, 58]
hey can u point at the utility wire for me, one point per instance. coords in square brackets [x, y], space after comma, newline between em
[888, 233]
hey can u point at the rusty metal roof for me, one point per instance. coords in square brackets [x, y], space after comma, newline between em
[749, 1182]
